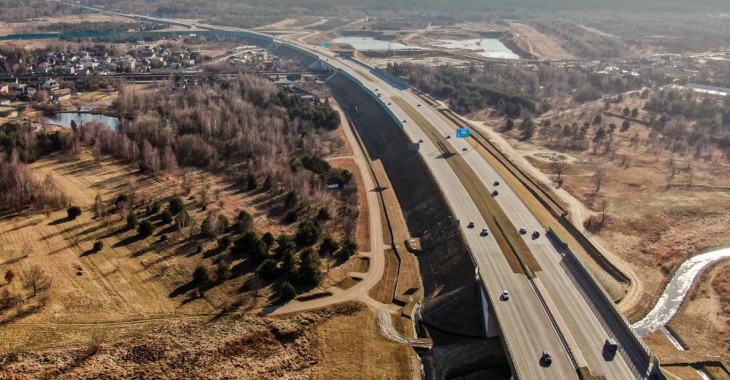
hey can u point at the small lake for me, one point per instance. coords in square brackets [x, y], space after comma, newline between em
[64, 119]
[370, 43]
[489, 47]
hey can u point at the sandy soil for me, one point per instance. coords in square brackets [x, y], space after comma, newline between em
[540, 44]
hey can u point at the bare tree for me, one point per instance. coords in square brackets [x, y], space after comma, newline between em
[35, 279]
[603, 205]
[559, 166]
[169, 160]
[598, 176]
[99, 208]
[150, 157]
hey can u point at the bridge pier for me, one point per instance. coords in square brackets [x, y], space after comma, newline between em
[491, 327]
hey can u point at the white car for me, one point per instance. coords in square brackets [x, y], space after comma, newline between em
[504, 296]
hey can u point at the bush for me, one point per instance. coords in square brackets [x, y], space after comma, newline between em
[307, 234]
[176, 205]
[250, 244]
[291, 216]
[309, 273]
[73, 212]
[146, 228]
[267, 270]
[224, 243]
[223, 271]
[268, 239]
[288, 291]
[349, 248]
[244, 222]
[323, 214]
[155, 207]
[122, 198]
[328, 247]
[9, 276]
[284, 244]
[98, 246]
[166, 217]
[251, 182]
[132, 220]
[200, 274]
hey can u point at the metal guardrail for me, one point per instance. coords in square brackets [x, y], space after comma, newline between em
[558, 331]
[625, 325]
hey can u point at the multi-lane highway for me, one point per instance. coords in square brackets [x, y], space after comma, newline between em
[557, 312]
[582, 316]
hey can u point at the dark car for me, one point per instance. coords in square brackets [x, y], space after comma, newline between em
[495, 193]
[546, 358]
[496, 183]
[484, 232]
[470, 225]
[535, 234]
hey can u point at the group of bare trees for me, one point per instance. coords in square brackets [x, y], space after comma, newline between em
[19, 187]
[34, 279]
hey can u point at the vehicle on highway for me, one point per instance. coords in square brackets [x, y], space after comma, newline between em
[535, 234]
[610, 345]
[496, 183]
[470, 225]
[388, 103]
[523, 230]
[419, 104]
[448, 136]
[404, 121]
[420, 140]
[546, 358]
[495, 193]
[484, 232]
[504, 296]
[464, 149]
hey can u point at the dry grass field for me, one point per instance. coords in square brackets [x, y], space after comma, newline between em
[316, 344]
[127, 308]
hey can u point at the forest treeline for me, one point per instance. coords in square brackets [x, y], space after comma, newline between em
[260, 136]
[21, 10]
[100, 26]
[510, 89]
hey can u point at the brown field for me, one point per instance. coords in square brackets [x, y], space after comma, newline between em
[371, 357]
[313, 344]
[106, 309]
[31, 25]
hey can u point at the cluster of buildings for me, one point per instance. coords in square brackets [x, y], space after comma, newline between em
[98, 62]
[51, 90]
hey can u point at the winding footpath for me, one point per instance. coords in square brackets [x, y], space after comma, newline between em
[674, 294]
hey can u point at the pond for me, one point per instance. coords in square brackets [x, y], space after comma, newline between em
[64, 119]
[489, 47]
[370, 43]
